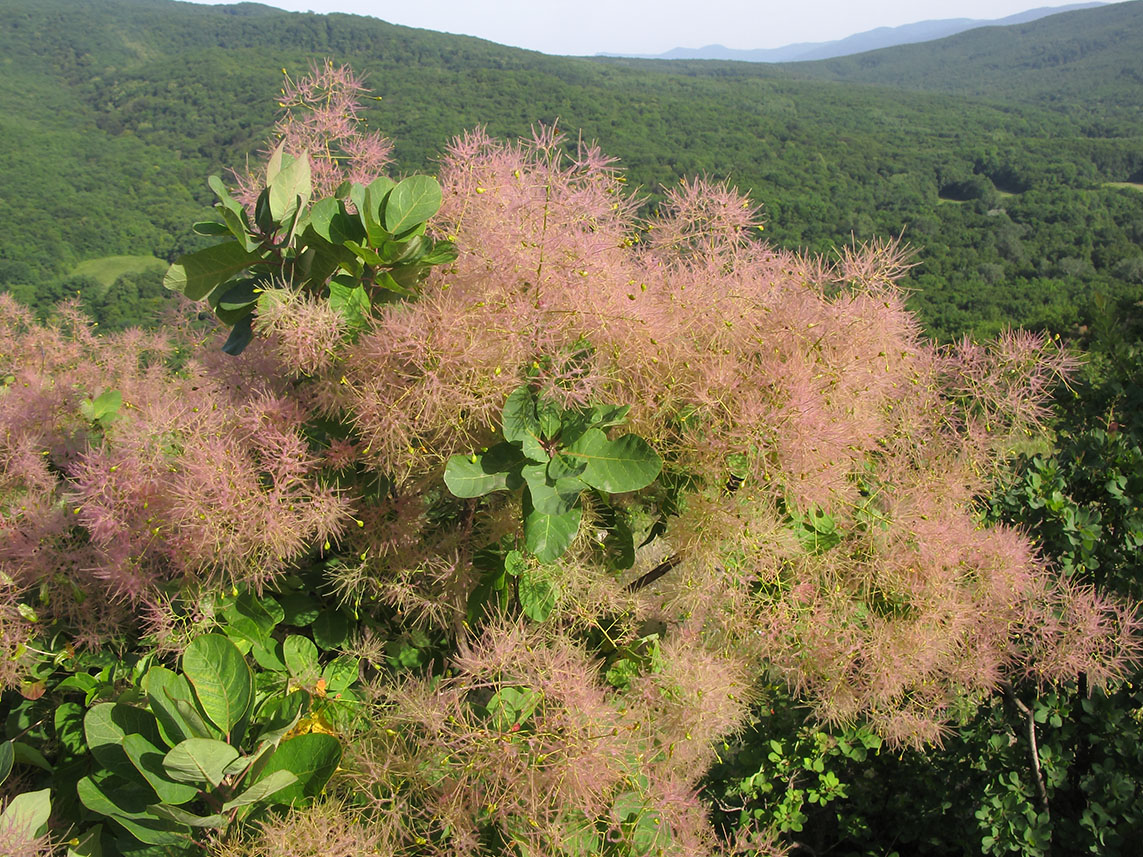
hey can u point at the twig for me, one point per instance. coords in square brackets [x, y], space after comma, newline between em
[655, 573]
[1033, 749]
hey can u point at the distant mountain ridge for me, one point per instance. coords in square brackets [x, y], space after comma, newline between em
[870, 40]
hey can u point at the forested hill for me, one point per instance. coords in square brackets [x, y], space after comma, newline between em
[113, 112]
[1089, 60]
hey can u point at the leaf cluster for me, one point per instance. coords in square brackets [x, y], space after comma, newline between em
[361, 245]
[556, 455]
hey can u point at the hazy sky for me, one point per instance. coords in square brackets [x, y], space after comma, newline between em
[653, 26]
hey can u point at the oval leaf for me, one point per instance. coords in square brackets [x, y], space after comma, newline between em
[412, 202]
[538, 597]
[27, 815]
[106, 725]
[163, 687]
[301, 658]
[312, 758]
[615, 466]
[199, 760]
[198, 274]
[148, 759]
[221, 679]
[548, 536]
[467, 478]
[261, 790]
[7, 757]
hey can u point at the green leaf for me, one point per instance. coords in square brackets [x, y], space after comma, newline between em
[106, 725]
[616, 466]
[364, 253]
[441, 253]
[275, 162]
[129, 810]
[88, 844]
[299, 609]
[29, 755]
[562, 466]
[291, 188]
[582, 839]
[221, 191]
[551, 497]
[27, 814]
[148, 759]
[199, 760]
[241, 295]
[816, 530]
[278, 716]
[7, 757]
[603, 416]
[240, 336]
[261, 790]
[467, 478]
[268, 655]
[514, 563]
[265, 612]
[511, 706]
[107, 404]
[198, 274]
[374, 200]
[210, 228]
[340, 673]
[190, 819]
[193, 717]
[548, 536]
[221, 679]
[322, 216]
[618, 540]
[353, 303]
[538, 597]
[239, 227]
[312, 758]
[130, 801]
[522, 425]
[411, 203]
[330, 629]
[301, 658]
[627, 806]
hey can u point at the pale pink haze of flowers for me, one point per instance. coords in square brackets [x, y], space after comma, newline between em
[812, 373]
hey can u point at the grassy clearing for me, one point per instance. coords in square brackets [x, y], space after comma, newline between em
[1135, 185]
[107, 269]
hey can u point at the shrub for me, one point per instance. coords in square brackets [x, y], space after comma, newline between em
[811, 520]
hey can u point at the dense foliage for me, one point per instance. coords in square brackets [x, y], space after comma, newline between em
[385, 574]
[1019, 212]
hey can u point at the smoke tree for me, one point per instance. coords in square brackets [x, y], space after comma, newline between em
[580, 487]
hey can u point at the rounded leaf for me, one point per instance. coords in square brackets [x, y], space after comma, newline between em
[312, 758]
[616, 466]
[301, 657]
[221, 679]
[199, 760]
[412, 202]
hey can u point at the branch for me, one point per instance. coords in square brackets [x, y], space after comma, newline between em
[1033, 750]
[655, 573]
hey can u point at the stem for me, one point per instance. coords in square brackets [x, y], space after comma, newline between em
[1033, 749]
[655, 573]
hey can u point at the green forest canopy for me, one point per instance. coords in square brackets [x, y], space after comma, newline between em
[1020, 206]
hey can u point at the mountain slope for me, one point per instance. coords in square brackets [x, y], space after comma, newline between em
[1090, 59]
[870, 40]
[113, 112]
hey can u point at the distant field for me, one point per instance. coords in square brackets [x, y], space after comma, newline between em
[107, 269]
[1135, 185]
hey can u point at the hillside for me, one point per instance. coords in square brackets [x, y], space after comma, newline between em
[870, 40]
[113, 113]
[1089, 60]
